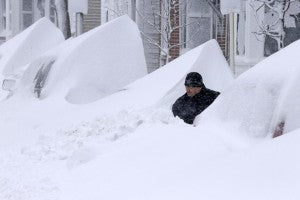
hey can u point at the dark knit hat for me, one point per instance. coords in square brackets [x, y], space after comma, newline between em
[193, 79]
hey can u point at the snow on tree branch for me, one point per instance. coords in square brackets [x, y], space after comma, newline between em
[275, 29]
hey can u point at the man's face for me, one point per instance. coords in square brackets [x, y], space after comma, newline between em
[192, 91]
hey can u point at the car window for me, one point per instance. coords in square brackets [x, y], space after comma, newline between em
[41, 77]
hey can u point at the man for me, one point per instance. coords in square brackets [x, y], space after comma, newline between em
[196, 99]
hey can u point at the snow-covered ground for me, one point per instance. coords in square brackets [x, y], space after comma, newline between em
[128, 145]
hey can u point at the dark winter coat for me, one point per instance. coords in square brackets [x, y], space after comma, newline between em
[187, 108]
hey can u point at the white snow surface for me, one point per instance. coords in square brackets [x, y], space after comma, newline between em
[42, 141]
[261, 98]
[128, 145]
[158, 89]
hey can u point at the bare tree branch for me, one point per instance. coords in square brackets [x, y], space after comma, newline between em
[275, 29]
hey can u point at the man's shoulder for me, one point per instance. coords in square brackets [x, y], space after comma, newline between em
[212, 92]
[180, 99]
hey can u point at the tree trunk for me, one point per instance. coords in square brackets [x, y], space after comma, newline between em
[174, 48]
[63, 17]
[281, 25]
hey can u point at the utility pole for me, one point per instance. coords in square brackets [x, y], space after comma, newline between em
[232, 47]
[79, 24]
[8, 20]
[231, 7]
[79, 8]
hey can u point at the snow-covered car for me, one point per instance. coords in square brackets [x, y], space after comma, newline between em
[263, 102]
[89, 67]
[18, 52]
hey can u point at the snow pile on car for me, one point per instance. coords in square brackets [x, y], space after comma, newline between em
[17, 52]
[262, 99]
[91, 66]
[28, 45]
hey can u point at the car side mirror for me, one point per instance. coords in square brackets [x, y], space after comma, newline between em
[8, 84]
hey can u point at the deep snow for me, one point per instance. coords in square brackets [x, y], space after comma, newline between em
[57, 137]
[128, 145]
[260, 99]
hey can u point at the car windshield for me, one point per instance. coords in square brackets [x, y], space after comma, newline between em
[41, 77]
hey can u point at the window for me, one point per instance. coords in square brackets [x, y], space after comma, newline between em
[42, 75]
[27, 13]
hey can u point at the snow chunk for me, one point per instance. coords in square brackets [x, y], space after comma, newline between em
[263, 97]
[91, 66]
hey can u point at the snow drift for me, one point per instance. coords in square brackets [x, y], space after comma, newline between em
[164, 162]
[150, 155]
[163, 86]
[158, 89]
[262, 98]
[91, 66]
[28, 45]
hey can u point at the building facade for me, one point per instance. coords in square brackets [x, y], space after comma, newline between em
[197, 22]
[239, 36]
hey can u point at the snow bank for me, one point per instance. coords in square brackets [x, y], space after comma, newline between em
[163, 86]
[91, 66]
[144, 164]
[150, 154]
[164, 162]
[73, 68]
[28, 45]
[261, 98]
[269, 170]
